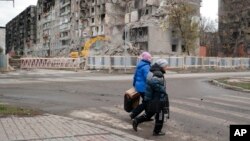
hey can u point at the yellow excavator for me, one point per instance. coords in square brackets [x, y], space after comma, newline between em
[86, 47]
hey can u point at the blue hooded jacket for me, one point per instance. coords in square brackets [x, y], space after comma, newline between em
[140, 76]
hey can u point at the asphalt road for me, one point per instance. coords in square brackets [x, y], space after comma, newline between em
[199, 111]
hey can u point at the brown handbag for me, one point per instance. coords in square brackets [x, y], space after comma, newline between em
[131, 99]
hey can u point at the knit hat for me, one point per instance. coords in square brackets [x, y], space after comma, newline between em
[146, 56]
[162, 62]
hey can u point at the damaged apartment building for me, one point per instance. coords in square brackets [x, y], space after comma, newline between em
[53, 27]
[129, 27]
[234, 27]
[64, 25]
[59, 27]
[103, 18]
[143, 29]
[21, 32]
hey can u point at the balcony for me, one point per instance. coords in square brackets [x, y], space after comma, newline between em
[65, 13]
[65, 38]
[64, 27]
[99, 2]
[64, 4]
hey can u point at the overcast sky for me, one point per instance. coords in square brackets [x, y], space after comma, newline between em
[7, 11]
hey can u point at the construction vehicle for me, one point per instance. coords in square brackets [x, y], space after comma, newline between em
[85, 51]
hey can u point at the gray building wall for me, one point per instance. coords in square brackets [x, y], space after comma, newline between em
[2, 39]
[234, 28]
[143, 13]
[162, 42]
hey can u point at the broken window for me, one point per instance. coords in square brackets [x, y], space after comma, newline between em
[183, 48]
[102, 18]
[102, 28]
[65, 42]
[235, 35]
[97, 29]
[174, 48]
[39, 17]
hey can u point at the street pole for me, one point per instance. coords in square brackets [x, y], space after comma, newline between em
[127, 40]
[125, 48]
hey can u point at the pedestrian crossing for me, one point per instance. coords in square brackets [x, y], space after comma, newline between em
[210, 116]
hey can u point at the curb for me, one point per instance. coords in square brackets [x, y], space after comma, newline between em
[227, 86]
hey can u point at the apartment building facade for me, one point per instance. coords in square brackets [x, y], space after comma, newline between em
[143, 27]
[2, 39]
[234, 28]
[65, 25]
[21, 32]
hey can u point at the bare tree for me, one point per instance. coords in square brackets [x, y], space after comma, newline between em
[207, 25]
[209, 35]
[183, 17]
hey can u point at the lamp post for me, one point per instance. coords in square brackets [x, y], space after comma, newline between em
[127, 39]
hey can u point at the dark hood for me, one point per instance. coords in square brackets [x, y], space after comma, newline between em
[156, 68]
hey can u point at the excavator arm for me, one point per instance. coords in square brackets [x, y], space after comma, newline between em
[88, 44]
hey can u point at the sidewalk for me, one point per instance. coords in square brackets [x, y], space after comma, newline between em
[58, 128]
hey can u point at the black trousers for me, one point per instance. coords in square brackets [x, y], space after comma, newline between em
[140, 108]
[159, 119]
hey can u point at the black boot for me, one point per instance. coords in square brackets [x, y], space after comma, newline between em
[135, 124]
[158, 134]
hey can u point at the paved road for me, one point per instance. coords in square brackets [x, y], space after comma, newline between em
[199, 111]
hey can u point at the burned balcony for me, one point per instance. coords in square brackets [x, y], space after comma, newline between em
[139, 34]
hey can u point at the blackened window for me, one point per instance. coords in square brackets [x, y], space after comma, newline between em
[174, 48]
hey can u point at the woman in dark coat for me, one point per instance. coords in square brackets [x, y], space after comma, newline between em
[155, 98]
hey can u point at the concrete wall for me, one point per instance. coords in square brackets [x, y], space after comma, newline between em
[160, 44]
[2, 39]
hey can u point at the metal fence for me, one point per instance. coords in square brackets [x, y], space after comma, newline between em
[128, 62]
[3, 62]
[50, 63]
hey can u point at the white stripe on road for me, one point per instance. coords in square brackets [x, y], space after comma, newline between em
[230, 100]
[221, 103]
[207, 118]
[238, 97]
[205, 107]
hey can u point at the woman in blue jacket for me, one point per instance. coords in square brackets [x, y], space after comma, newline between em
[139, 81]
[155, 98]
